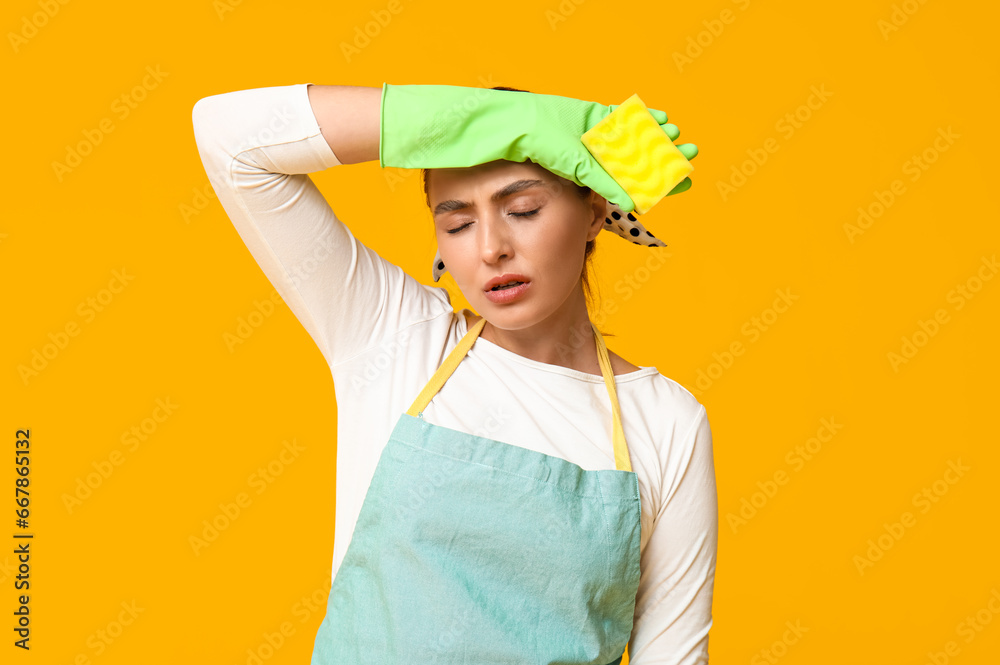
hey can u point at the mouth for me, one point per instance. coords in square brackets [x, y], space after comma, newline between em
[508, 285]
[506, 293]
[505, 282]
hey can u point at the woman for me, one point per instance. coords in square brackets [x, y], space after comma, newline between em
[501, 518]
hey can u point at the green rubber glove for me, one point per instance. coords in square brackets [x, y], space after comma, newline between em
[443, 126]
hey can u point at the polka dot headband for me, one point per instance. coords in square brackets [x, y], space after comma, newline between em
[616, 220]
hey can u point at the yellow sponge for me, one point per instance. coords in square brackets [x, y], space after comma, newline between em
[632, 147]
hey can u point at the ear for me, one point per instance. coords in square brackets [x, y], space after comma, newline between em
[598, 207]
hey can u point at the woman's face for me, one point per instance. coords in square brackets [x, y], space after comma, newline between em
[514, 217]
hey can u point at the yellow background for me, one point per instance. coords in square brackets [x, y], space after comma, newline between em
[128, 206]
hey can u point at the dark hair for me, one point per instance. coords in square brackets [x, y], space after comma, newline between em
[582, 192]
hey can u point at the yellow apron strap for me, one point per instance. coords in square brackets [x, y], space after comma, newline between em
[622, 461]
[447, 367]
[457, 354]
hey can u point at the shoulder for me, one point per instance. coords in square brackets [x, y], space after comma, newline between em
[679, 398]
[619, 365]
[670, 405]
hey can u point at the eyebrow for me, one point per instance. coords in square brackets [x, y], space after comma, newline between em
[452, 205]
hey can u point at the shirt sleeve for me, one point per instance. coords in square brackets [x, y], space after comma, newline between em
[673, 612]
[257, 147]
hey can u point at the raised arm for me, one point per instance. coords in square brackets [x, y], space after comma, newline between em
[349, 118]
[257, 147]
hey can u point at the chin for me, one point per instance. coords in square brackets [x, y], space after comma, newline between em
[511, 317]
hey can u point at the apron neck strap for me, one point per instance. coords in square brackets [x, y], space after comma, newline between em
[450, 363]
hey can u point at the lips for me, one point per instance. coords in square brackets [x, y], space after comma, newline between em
[506, 278]
[508, 295]
[505, 286]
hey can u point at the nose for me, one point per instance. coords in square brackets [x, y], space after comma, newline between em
[495, 242]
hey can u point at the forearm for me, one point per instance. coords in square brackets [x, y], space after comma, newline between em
[349, 117]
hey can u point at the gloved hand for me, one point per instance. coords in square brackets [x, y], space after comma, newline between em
[443, 126]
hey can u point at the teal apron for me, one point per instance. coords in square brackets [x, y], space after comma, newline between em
[474, 551]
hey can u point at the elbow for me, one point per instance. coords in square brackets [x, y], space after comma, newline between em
[211, 136]
[204, 112]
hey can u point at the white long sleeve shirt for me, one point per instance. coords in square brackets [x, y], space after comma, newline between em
[383, 334]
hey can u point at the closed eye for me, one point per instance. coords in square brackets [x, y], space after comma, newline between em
[529, 213]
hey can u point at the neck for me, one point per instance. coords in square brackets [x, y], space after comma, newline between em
[565, 338]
